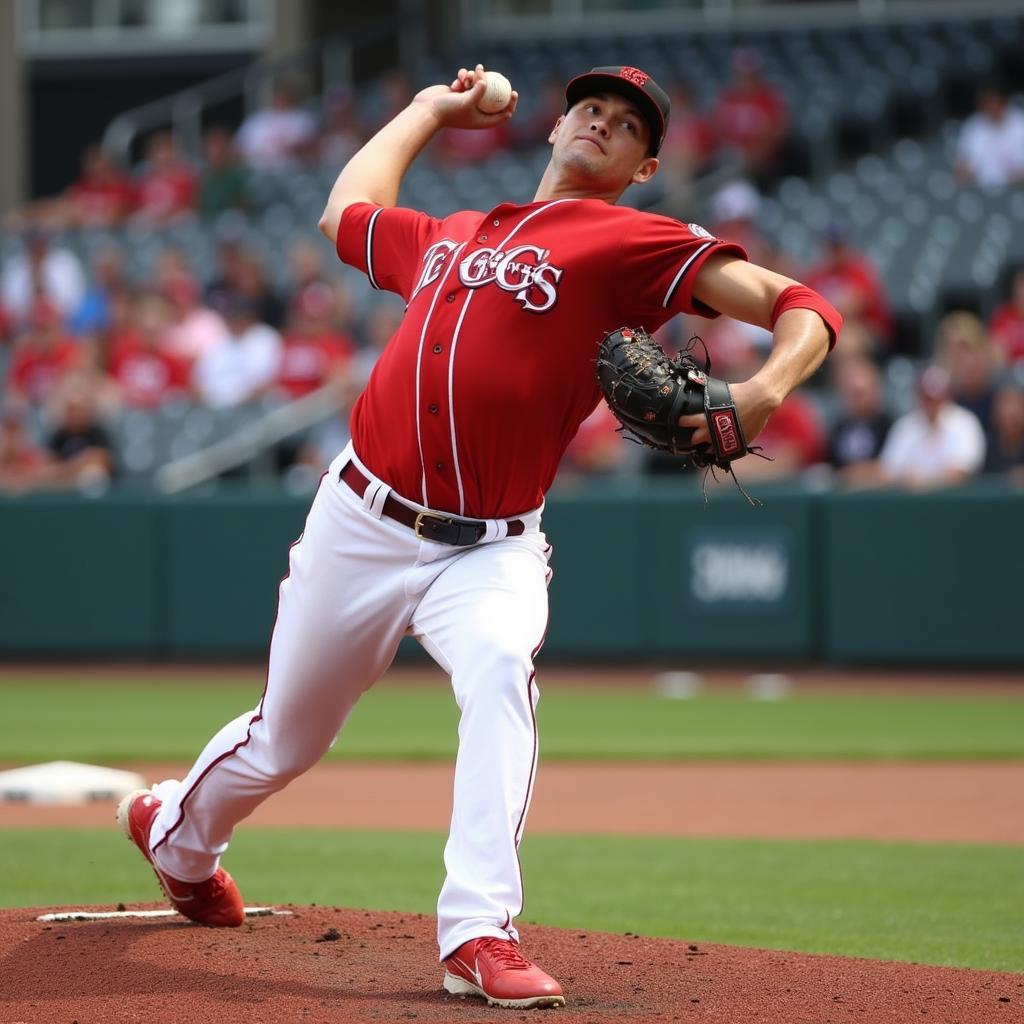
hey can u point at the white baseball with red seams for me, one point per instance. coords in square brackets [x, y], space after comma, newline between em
[497, 94]
[468, 411]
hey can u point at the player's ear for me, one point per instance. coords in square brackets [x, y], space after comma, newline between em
[554, 131]
[645, 171]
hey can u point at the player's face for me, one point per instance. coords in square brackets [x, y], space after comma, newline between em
[604, 138]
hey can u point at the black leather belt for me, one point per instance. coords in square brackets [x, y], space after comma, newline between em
[433, 526]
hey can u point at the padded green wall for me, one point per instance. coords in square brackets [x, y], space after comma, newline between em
[649, 571]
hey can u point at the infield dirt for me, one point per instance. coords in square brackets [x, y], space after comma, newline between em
[333, 965]
[978, 802]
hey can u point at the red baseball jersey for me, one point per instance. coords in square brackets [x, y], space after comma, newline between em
[485, 383]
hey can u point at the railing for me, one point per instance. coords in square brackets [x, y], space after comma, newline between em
[330, 60]
[250, 441]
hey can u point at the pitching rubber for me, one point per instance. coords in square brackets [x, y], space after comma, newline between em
[460, 987]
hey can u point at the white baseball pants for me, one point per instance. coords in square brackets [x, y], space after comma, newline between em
[357, 583]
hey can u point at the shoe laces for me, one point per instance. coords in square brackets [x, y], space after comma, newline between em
[506, 954]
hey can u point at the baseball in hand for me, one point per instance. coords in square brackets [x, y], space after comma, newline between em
[498, 94]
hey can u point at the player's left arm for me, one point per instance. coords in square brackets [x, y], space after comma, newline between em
[803, 324]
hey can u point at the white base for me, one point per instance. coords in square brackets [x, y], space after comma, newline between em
[66, 782]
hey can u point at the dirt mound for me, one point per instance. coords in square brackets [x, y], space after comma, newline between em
[325, 964]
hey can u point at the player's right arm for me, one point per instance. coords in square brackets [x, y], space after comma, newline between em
[375, 173]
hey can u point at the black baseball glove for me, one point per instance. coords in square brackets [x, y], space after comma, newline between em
[648, 392]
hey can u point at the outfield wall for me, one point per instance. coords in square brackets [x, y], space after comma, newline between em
[874, 577]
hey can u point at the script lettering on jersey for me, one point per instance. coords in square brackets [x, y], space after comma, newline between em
[433, 263]
[532, 281]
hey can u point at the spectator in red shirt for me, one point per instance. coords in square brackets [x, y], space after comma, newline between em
[20, 459]
[103, 196]
[42, 356]
[751, 118]
[688, 147]
[793, 439]
[848, 280]
[689, 138]
[1007, 326]
[454, 147]
[315, 353]
[145, 373]
[168, 185]
[597, 448]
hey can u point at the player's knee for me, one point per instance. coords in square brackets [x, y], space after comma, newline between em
[502, 673]
[283, 762]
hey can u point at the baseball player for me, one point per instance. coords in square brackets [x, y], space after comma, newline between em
[429, 523]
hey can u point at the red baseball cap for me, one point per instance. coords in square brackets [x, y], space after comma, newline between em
[636, 85]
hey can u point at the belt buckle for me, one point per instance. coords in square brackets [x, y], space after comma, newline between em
[420, 516]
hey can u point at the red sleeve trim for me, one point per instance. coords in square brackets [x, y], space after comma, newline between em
[799, 296]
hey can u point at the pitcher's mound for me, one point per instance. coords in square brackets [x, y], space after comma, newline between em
[325, 964]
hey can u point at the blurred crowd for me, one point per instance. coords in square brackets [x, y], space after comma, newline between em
[79, 345]
[746, 127]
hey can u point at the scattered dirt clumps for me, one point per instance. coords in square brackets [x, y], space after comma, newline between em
[327, 964]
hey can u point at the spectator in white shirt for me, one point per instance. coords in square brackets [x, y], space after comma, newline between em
[41, 270]
[274, 138]
[246, 363]
[938, 444]
[990, 150]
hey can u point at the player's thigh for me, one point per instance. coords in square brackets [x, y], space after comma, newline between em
[342, 611]
[488, 609]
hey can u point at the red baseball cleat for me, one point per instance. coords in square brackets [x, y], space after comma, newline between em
[216, 902]
[496, 970]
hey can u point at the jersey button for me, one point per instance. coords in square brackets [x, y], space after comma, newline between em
[438, 349]
[439, 466]
[481, 238]
[450, 297]
[432, 408]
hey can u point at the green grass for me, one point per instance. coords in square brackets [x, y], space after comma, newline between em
[89, 721]
[944, 904]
